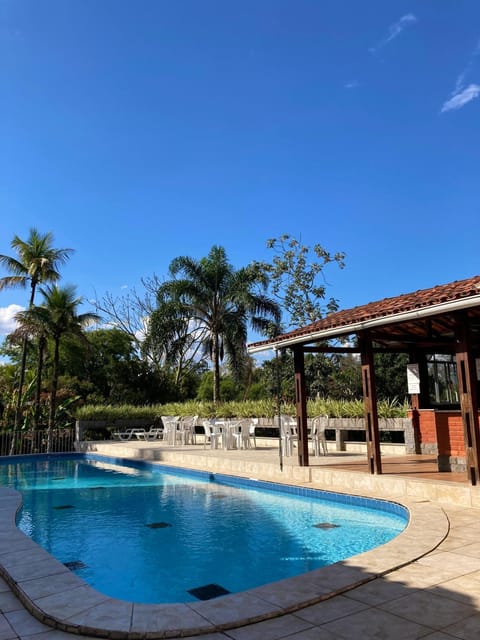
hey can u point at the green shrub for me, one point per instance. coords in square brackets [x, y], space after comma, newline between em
[266, 408]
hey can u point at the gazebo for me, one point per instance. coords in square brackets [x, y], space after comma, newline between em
[439, 328]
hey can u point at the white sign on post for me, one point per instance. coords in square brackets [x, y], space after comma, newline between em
[413, 378]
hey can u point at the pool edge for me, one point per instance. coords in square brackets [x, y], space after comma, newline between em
[49, 591]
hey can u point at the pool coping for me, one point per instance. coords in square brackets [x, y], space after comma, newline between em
[62, 600]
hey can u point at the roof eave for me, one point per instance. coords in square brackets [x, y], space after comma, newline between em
[325, 334]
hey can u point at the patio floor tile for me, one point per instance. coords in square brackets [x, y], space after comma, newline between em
[375, 623]
[466, 629]
[6, 631]
[25, 624]
[271, 629]
[331, 609]
[379, 591]
[430, 609]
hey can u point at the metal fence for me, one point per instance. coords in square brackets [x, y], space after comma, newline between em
[30, 441]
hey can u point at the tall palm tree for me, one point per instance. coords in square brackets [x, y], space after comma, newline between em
[59, 316]
[221, 301]
[37, 262]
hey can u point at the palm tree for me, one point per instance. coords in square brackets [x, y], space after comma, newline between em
[37, 262]
[59, 318]
[220, 301]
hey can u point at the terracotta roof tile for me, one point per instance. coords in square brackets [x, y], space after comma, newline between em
[420, 299]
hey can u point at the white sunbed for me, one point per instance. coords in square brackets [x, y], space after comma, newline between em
[153, 434]
[127, 434]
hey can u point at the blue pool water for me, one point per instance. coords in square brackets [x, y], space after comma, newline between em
[151, 534]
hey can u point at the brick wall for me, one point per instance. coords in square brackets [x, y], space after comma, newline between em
[443, 428]
[426, 431]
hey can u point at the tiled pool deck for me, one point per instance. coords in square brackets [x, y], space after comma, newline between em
[423, 584]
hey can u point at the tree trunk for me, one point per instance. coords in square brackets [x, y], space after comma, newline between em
[216, 369]
[23, 366]
[38, 389]
[53, 395]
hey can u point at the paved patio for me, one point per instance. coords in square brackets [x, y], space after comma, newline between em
[423, 584]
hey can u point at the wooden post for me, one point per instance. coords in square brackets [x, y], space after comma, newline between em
[416, 399]
[370, 405]
[301, 405]
[467, 389]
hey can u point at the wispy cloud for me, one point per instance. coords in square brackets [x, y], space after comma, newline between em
[462, 94]
[460, 83]
[351, 85]
[7, 318]
[461, 98]
[395, 30]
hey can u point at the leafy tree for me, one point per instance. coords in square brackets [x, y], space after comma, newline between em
[277, 376]
[319, 371]
[131, 313]
[391, 375]
[37, 262]
[218, 302]
[174, 340]
[7, 382]
[298, 282]
[347, 379]
[167, 342]
[58, 315]
[106, 361]
[118, 373]
[109, 369]
[228, 388]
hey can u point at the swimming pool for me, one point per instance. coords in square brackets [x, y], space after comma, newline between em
[147, 533]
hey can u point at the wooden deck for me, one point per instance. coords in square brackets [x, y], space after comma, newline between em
[415, 466]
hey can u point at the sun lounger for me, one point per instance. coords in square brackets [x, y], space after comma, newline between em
[127, 434]
[153, 434]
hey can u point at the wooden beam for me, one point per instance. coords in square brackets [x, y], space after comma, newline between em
[327, 349]
[433, 347]
[467, 389]
[370, 405]
[301, 406]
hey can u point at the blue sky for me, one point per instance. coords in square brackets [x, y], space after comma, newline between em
[137, 131]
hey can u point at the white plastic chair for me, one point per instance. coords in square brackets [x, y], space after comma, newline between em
[187, 428]
[240, 433]
[317, 436]
[171, 433]
[212, 436]
[253, 426]
[289, 435]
